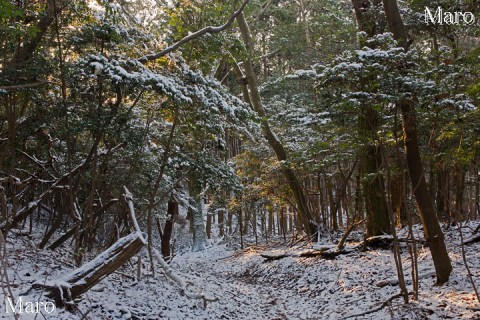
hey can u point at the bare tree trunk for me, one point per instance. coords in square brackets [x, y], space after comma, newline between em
[3, 203]
[247, 218]
[442, 192]
[477, 196]
[208, 226]
[229, 221]
[333, 207]
[378, 221]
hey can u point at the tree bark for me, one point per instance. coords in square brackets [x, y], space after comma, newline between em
[378, 221]
[221, 223]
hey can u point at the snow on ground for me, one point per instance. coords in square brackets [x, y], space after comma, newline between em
[250, 288]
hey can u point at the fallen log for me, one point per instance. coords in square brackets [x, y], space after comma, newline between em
[73, 284]
[324, 252]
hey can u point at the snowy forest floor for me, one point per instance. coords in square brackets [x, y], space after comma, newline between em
[248, 287]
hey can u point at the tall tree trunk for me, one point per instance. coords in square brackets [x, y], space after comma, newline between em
[271, 220]
[441, 200]
[208, 226]
[306, 217]
[332, 205]
[432, 230]
[476, 197]
[240, 226]
[367, 19]
[398, 186]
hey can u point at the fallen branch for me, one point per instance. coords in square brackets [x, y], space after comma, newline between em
[332, 251]
[477, 229]
[380, 307]
[385, 241]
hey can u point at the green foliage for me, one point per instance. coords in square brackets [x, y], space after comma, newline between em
[11, 24]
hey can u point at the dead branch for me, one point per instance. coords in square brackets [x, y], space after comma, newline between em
[464, 257]
[24, 86]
